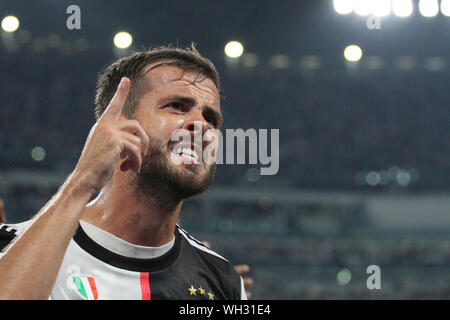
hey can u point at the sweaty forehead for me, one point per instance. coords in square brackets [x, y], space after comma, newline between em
[170, 79]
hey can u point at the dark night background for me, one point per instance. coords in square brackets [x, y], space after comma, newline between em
[364, 147]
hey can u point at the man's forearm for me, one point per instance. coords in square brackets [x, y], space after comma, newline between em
[29, 267]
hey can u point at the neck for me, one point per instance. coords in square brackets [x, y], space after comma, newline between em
[142, 217]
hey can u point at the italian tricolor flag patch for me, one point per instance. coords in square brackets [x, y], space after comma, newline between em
[86, 287]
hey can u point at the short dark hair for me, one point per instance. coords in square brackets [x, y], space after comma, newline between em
[188, 59]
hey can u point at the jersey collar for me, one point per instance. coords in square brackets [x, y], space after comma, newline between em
[127, 263]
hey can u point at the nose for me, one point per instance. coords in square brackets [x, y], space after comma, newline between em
[196, 123]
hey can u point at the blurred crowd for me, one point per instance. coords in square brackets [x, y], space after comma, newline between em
[335, 124]
[310, 267]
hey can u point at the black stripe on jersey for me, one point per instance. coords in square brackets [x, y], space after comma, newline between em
[127, 263]
[7, 235]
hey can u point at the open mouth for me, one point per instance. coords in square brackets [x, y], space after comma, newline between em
[187, 154]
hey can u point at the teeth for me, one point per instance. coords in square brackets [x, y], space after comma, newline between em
[187, 151]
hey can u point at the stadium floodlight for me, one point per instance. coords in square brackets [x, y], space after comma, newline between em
[10, 24]
[123, 40]
[428, 8]
[381, 8]
[445, 7]
[402, 8]
[353, 53]
[234, 49]
[363, 7]
[343, 6]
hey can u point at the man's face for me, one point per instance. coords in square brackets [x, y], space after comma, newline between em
[178, 101]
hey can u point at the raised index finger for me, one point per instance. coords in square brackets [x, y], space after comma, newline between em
[114, 109]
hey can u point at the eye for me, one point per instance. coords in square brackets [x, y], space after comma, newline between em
[211, 117]
[212, 120]
[176, 105]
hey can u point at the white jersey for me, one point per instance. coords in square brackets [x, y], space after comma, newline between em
[98, 265]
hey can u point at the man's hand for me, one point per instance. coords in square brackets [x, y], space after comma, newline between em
[111, 139]
[29, 267]
[241, 269]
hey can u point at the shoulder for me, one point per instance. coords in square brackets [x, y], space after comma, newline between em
[9, 232]
[200, 247]
[219, 266]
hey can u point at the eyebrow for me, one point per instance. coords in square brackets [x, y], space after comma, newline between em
[191, 101]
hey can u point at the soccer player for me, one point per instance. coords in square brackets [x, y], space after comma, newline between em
[126, 243]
